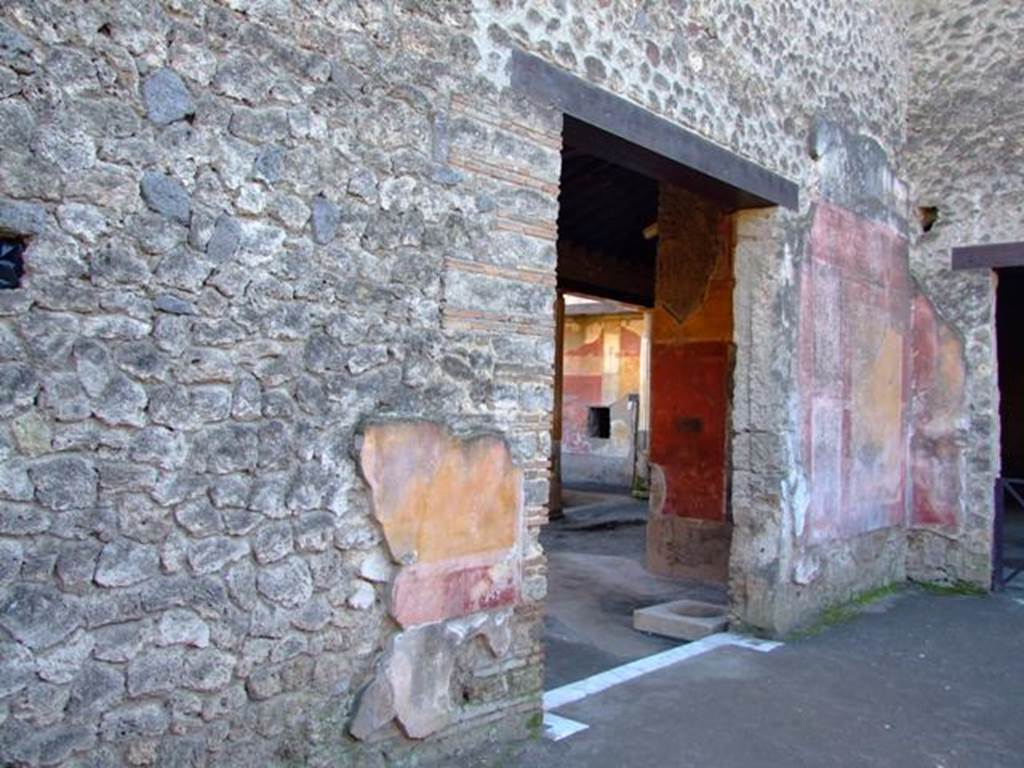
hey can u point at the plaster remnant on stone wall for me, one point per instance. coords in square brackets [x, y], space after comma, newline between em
[856, 173]
[451, 511]
[413, 683]
[854, 373]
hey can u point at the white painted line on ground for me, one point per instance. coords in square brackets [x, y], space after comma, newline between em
[753, 643]
[557, 728]
[567, 694]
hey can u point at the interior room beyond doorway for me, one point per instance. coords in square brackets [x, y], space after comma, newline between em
[643, 385]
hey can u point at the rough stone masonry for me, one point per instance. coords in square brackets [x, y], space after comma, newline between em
[256, 228]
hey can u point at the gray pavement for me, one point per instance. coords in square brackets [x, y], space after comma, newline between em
[596, 578]
[916, 681]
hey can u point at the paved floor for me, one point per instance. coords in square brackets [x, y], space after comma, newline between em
[918, 680]
[596, 579]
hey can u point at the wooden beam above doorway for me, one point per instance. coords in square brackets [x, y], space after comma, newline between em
[989, 256]
[631, 136]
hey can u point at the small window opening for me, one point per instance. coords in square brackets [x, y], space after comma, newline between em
[927, 215]
[599, 422]
[12, 264]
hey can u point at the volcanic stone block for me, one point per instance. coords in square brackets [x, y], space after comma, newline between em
[22, 218]
[414, 682]
[122, 564]
[166, 196]
[37, 615]
[324, 219]
[682, 619]
[166, 97]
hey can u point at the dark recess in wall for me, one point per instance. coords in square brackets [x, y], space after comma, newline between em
[599, 422]
[927, 215]
[1009, 335]
[12, 265]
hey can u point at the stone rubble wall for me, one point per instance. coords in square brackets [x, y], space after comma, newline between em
[965, 157]
[255, 225]
[251, 227]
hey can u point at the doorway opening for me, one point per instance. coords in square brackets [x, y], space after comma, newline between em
[1009, 321]
[644, 353]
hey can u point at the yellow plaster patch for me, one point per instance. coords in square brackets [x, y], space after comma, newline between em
[439, 497]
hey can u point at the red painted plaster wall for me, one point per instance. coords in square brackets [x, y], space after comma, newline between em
[691, 375]
[855, 376]
[690, 398]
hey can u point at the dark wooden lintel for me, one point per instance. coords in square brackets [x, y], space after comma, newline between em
[989, 256]
[624, 133]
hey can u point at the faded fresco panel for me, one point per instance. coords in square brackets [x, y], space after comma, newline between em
[936, 448]
[827, 415]
[854, 374]
[601, 367]
[876, 429]
[827, 338]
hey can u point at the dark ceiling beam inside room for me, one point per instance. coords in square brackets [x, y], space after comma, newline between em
[638, 300]
[602, 212]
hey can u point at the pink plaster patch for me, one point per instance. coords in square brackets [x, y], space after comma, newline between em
[936, 458]
[429, 591]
